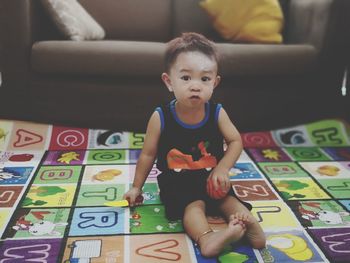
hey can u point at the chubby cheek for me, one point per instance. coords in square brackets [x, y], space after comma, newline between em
[178, 94]
[209, 92]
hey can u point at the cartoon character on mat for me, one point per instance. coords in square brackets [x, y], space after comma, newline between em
[326, 216]
[293, 246]
[22, 224]
[40, 228]
[109, 138]
[178, 160]
[293, 137]
[8, 174]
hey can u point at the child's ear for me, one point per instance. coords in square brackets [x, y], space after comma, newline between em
[167, 81]
[217, 81]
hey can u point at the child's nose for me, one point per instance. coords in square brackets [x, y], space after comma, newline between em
[195, 86]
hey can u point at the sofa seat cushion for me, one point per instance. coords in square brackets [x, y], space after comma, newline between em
[98, 58]
[266, 60]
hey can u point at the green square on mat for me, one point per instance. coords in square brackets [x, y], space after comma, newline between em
[136, 140]
[107, 157]
[307, 154]
[338, 188]
[57, 175]
[151, 219]
[327, 133]
[282, 170]
[97, 195]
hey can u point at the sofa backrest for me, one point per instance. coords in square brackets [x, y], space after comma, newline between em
[146, 20]
[188, 16]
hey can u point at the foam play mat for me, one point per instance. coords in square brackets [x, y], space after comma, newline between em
[55, 181]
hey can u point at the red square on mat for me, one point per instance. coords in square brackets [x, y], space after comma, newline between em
[9, 195]
[253, 190]
[67, 138]
[258, 139]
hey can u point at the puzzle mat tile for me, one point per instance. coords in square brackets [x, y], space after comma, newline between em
[55, 181]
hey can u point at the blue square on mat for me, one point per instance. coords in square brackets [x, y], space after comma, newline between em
[97, 221]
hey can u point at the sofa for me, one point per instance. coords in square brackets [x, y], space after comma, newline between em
[115, 83]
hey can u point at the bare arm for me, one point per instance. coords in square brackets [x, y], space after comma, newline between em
[146, 159]
[233, 151]
[232, 139]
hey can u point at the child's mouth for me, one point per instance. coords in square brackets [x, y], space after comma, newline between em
[194, 97]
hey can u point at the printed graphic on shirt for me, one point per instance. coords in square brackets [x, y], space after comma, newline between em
[178, 161]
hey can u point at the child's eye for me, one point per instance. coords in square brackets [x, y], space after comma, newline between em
[186, 78]
[205, 79]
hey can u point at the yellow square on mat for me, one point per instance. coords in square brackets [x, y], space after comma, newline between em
[301, 189]
[4, 217]
[50, 196]
[252, 21]
[266, 213]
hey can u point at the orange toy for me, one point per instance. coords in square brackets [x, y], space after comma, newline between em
[215, 194]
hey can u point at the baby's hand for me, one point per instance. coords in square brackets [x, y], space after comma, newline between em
[220, 180]
[133, 196]
[218, 184]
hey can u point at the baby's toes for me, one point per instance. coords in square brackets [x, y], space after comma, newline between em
[232, 217]
[240, 216]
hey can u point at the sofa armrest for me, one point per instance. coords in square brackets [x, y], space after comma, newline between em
[16, 42]
[315, 22]
[308, 21]
[322, 24]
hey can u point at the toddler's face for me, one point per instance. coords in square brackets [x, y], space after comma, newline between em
[192, 78]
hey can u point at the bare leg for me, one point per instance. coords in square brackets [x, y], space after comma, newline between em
[255, 235]
[197, 227]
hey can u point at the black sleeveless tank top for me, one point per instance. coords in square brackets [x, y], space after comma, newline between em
[189, 148]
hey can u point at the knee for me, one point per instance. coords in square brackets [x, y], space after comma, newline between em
[196, 206]
[207, 253]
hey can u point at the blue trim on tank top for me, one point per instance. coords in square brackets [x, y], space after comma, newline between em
[189, 126]
[161, 115]
[217, 112]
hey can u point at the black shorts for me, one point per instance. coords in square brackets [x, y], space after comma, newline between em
[179, 190]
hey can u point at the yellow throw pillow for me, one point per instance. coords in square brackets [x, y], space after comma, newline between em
[252, 21]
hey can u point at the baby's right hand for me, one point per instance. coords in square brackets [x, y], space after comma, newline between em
[132, 196]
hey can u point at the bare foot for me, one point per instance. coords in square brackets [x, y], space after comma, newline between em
[254, 233]
[213, 243]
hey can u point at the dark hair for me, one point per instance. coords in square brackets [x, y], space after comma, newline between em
[189, 42]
